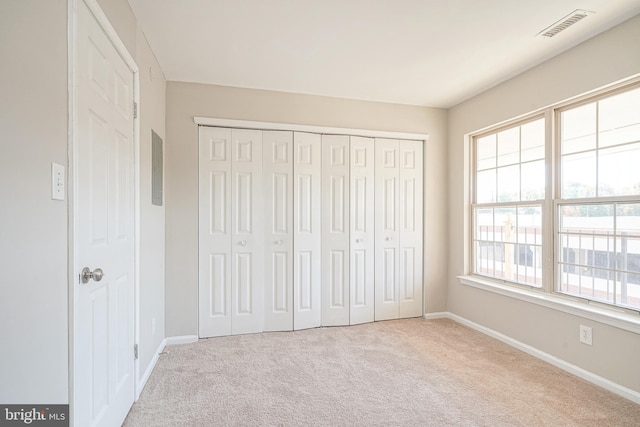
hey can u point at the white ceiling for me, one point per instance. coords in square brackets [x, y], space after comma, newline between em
[421, 52]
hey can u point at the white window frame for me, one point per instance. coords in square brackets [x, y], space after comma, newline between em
[548, 295]
[543, 203]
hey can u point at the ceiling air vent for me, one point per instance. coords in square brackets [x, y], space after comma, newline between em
[564, 23]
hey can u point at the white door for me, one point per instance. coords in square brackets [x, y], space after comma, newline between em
[361, 263]
[386, 229]
[231, 248]
[247, 240]
[307, 295]
[214, 232]
[335, 230]
[278, 227]
[411, 223]
[104, 384]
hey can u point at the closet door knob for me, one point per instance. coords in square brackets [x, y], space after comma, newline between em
[243, 243]
[277, 242]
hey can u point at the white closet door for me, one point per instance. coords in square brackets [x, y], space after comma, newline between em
[307, 295]
[215, 225]
[335, 230]
[387, 258]
[362, 257]
[247, 239]
[277, 179]
[411, 223]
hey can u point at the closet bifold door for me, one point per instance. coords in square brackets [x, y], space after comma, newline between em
[387, 259]
[214, 246]
[335, 230]
[247, 239]
[411, 227]
[277, 179]
[231, 235]
[307, 295]
[398, 219]
[361, 224]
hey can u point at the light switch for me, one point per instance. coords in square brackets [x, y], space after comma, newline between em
[57, 181]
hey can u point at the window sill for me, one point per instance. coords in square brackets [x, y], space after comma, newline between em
[609, 316]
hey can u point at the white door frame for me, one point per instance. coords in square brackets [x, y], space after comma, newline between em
[72, 206]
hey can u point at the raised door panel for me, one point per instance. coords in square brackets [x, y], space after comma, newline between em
[387, 259]
[247, 239]
[411, 228]
[278, 230]
[362, 235]
[335, 229]
[307, 296]
[214, 232]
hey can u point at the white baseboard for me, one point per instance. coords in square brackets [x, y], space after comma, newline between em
[181, 339]
[616, 388]
[147, 373]
[437, 315]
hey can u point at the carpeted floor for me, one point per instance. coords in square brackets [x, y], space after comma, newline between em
[410, 372]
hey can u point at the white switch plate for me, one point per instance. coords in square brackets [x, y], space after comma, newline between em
[57, 181]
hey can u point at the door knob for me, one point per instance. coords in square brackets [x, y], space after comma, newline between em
[243, 243]
[86, 274]
[277, 242]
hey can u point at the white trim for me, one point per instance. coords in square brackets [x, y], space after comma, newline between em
[111, 32]
[73, 266]
[72, 256]
[249, 124]
[147, 373]
[616, 388]
[181, 339]
[437, 315]
[608, 316]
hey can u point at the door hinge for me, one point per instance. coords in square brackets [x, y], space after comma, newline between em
[135, 110]
[135, 351]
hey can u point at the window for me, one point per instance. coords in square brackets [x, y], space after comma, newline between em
[598, 231]
[509, 192]
[593, 211]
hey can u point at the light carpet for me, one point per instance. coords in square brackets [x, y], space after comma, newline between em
[410, 372]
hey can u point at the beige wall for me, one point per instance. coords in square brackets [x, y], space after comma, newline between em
[33, 228]
[609, 57]
[186, 100]
[152, 116]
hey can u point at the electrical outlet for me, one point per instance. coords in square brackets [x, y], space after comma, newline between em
[586, 335]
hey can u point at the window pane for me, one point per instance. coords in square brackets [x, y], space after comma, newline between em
[619, 118]
[532, 180]
[532, 141]
[579, 175]
[509, 184]
[628, 218]
[484, 258]
[619, 170]
[484, 224]
[509, 146]
[628, 290]
[486, 186]
[578, 129]
[486, 152]
[586, 218]
[530, 225]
